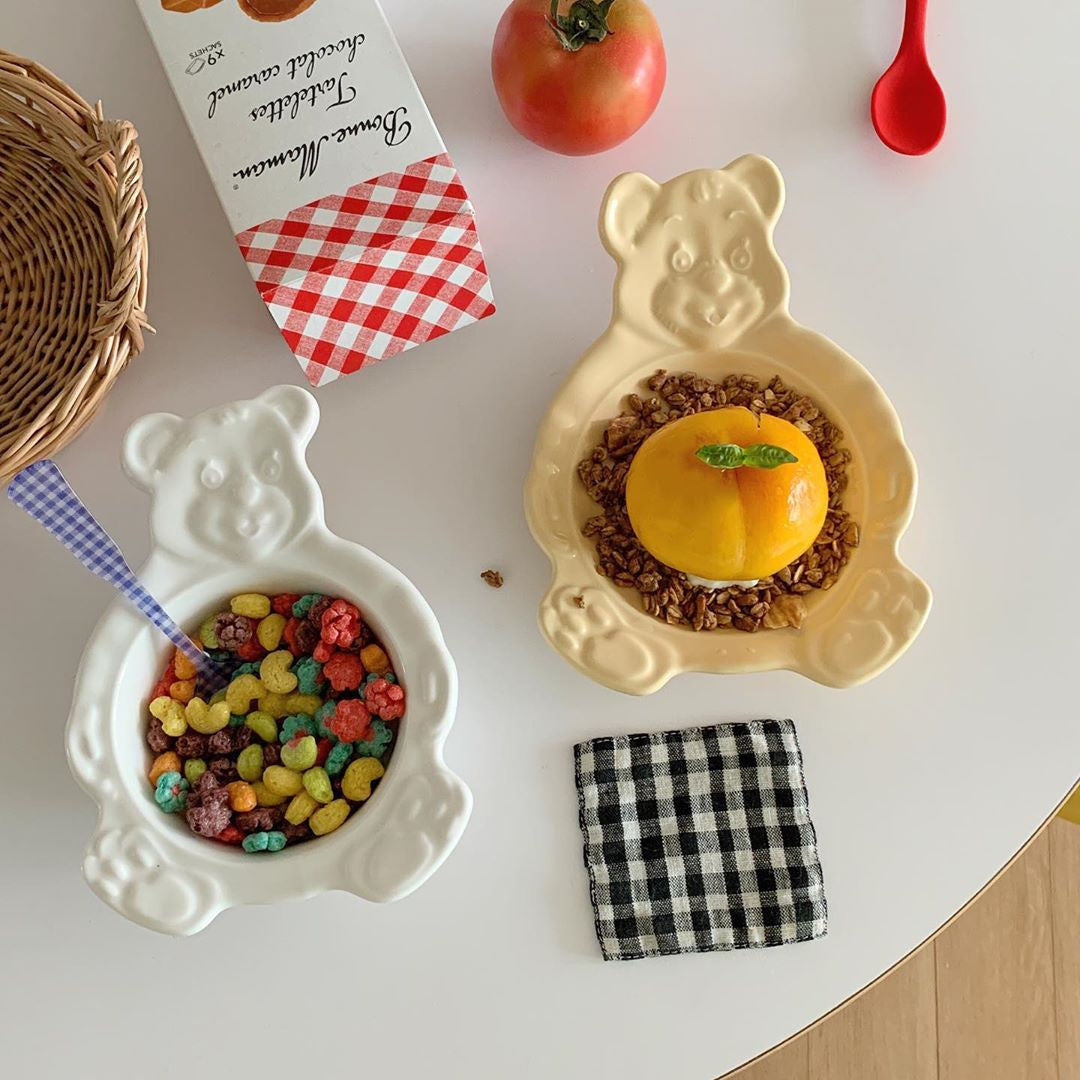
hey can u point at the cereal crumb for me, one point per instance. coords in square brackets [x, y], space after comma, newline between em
[579, 600]
[493, 578]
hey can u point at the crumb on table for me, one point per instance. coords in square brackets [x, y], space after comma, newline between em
[493, 578]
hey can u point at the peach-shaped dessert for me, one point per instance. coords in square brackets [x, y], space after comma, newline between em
[726, 496]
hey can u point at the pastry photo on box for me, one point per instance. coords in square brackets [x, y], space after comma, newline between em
[343, 200]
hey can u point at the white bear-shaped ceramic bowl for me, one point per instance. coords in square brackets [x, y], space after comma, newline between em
[235, 509]
[700, 288]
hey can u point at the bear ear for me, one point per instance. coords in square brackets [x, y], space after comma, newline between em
[763, 180]
[297, 408]
[626, 206]
[145, 445]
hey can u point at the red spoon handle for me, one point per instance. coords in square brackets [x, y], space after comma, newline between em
[914, 27]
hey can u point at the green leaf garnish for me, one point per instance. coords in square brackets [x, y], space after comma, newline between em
[733, 456]
[722, 455]
[767, 456]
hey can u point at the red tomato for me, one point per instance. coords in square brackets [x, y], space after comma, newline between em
[578, 100]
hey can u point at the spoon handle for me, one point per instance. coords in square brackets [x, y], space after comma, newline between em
[43, 492]
[914, 26]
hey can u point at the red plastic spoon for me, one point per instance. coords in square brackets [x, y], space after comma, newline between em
[907, 105]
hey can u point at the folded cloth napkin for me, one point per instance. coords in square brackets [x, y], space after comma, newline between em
[699, 840]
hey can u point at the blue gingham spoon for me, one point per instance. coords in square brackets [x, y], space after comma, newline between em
[41, 490]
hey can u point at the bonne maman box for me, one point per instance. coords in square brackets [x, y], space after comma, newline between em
[338, 188]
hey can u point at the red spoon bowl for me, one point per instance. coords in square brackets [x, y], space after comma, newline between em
[907, 106]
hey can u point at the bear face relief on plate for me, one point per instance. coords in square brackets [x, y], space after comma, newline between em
[700, 288]
[696, 259]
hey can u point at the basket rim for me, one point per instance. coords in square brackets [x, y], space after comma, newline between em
[102, 156]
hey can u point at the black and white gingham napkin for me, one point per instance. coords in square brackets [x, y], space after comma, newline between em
[699, 840]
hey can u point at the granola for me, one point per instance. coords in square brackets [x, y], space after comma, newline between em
[666, 594]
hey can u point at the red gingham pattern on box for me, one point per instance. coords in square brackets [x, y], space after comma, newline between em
[392, 263]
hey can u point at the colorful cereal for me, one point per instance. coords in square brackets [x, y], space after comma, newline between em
[299, 753]
[282, 781]
[193, 769]
[274, 672]
[170, 792]
[253, 605]
[167, 762]
[301, 808]
[358, 778]
[329, 817]
[269, 631]
[249, 763]
[297, 739]
[263, 841]
[317, 784]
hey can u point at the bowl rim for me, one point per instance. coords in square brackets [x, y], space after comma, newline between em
[155, 872]
[131, 829]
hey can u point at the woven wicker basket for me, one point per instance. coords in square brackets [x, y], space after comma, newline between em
[72, 260]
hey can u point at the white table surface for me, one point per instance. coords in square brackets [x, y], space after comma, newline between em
[953, 278]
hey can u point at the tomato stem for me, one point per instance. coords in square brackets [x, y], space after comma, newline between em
[586, 21]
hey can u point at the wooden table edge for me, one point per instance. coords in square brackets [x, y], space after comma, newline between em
[911, 952]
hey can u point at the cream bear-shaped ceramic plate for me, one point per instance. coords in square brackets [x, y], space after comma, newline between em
[236, 508]
[700, 288]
